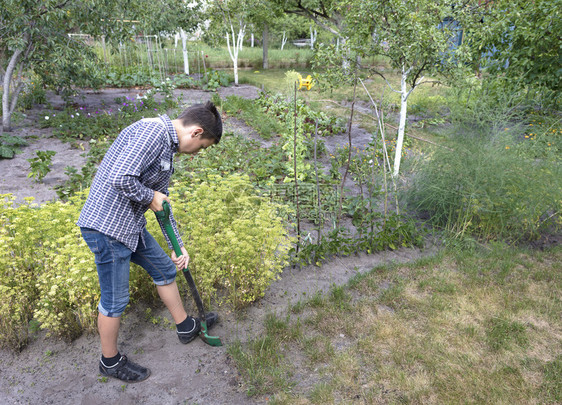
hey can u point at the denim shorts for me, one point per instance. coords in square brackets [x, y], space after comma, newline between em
[113, 263]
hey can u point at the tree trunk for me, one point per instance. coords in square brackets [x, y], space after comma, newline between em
[283, 40]
[402, 126]
[313, 34]
[265, 45]
[184, 50]
[235, 47]
[6, 102]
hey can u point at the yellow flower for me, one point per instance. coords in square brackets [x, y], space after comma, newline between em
[507, 147]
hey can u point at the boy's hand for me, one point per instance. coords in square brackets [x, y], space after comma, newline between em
[182, 261]
[157, 200]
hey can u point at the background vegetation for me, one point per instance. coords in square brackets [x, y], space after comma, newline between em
[480, 322]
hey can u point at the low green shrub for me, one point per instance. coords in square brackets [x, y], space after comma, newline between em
[236, 239]
[237, 242]
[483, 187]
[41, 165]
[10, 145]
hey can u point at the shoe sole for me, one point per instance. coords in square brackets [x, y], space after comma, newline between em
[128, 382]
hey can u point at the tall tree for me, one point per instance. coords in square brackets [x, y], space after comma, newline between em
[412, 35]
[34, 38]
[263, 14]
[233, 15]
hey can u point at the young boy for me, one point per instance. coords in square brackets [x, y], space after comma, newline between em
[133, 177]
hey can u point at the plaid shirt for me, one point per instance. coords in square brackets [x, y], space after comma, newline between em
[138, 162]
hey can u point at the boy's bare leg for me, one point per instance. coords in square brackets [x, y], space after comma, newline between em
[108, 328]
[170, 295]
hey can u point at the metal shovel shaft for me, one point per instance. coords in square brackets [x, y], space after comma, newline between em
[164, 216]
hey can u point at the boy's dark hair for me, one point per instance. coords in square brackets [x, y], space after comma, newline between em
[207, 117]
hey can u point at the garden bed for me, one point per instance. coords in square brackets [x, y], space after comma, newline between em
[54, 371]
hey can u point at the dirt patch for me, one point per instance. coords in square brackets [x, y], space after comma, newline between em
[51, 371]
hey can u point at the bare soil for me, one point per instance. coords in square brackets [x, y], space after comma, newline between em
[52, 371]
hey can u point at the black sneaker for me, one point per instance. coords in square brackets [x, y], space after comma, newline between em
[186, 337]
[211, 318]
[125, 370]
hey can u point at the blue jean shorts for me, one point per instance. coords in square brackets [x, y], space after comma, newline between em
[113, 263]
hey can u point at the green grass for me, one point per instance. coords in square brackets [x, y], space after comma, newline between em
[461, 327]
[252, 114]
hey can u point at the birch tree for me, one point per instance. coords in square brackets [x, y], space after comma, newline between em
[408, 33]
[184, 51]
[233, 15]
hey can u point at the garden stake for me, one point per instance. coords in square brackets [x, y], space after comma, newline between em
[164, 216]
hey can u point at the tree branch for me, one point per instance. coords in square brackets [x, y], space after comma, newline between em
[387, 82]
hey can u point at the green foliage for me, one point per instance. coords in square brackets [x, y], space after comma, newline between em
[47, 272]
[115, 77]
[486, 189]
[393, 231]
[10, 145]
[41, 165]
[214, 79]
[237, 240]
[518, 40]
[541, 137]
[32, 93]
[283, 109]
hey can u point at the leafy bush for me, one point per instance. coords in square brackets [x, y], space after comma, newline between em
[484, 188]
[283, 109]
[41, 165]
[214, 79]
[32, 93]
[10, 145]
[118, 78]
[236, 240]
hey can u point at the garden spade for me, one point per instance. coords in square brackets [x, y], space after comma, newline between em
[164, 216]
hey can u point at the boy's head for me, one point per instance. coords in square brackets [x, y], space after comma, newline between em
[205, 116]
[198, 127]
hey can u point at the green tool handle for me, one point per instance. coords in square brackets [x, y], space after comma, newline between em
[164, 216]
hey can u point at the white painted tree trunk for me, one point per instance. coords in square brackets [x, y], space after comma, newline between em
[403, 110]
[283, 40]
[252, 40]
[184, 50]
[313, 34]
[234, 47]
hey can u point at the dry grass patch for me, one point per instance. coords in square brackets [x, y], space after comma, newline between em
[482, 327]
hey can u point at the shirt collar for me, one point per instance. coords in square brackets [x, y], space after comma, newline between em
[171, 131]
